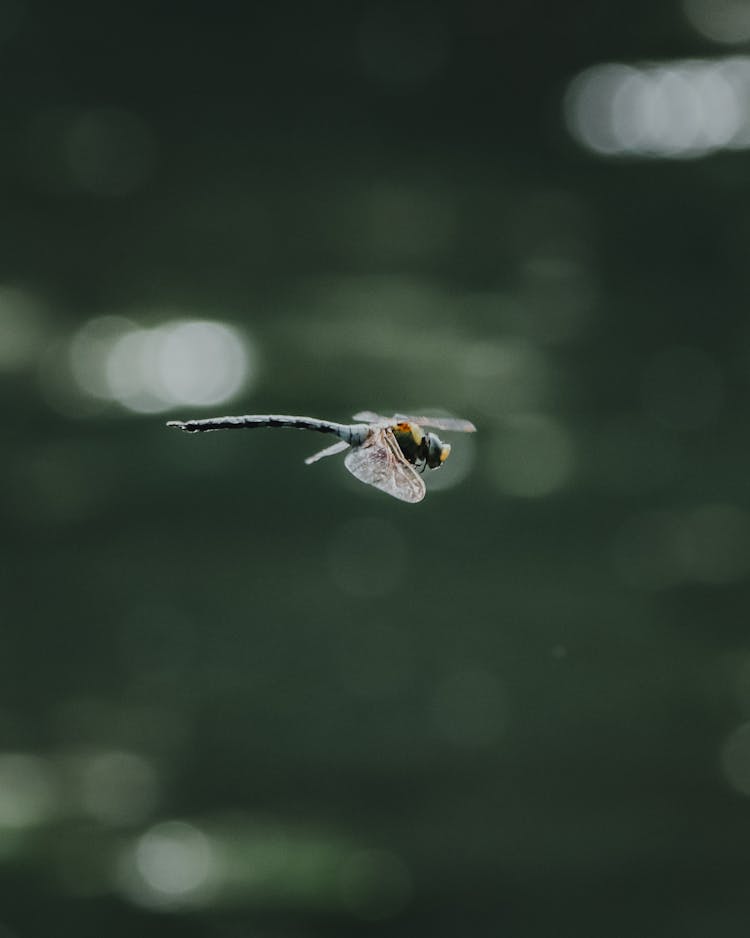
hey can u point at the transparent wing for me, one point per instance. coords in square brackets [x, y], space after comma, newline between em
[328, 451]
[439, 423]
[378, 461]
[369, 416]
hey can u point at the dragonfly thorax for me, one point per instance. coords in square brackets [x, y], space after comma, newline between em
[419, 448]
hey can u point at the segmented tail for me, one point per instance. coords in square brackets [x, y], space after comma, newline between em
[252, 421]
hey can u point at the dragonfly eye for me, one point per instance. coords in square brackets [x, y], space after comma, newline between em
[437, 451]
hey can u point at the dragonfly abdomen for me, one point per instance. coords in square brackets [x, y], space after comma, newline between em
[350, 433]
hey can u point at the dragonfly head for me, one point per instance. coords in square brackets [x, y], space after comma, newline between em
[437, 451]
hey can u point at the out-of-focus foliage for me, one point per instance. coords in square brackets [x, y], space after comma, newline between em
[241, 696]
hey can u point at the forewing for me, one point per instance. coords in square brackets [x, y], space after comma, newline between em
[439, 423]
[369, 416]
[328, 451]
[378, 461]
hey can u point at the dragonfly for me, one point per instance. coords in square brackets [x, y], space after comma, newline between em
[389, 453]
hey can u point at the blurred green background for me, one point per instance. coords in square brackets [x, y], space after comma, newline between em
[243, 697]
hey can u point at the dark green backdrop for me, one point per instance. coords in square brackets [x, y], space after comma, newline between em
[243, 697]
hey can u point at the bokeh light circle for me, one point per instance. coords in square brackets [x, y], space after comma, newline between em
[172, 865]
[532, 456]
[367, 557]
[190, 362]
[734, 759]
[470, 708]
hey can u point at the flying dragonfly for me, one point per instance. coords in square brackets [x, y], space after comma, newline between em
[386, 452]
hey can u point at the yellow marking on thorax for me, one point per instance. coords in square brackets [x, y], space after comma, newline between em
[411, 428]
